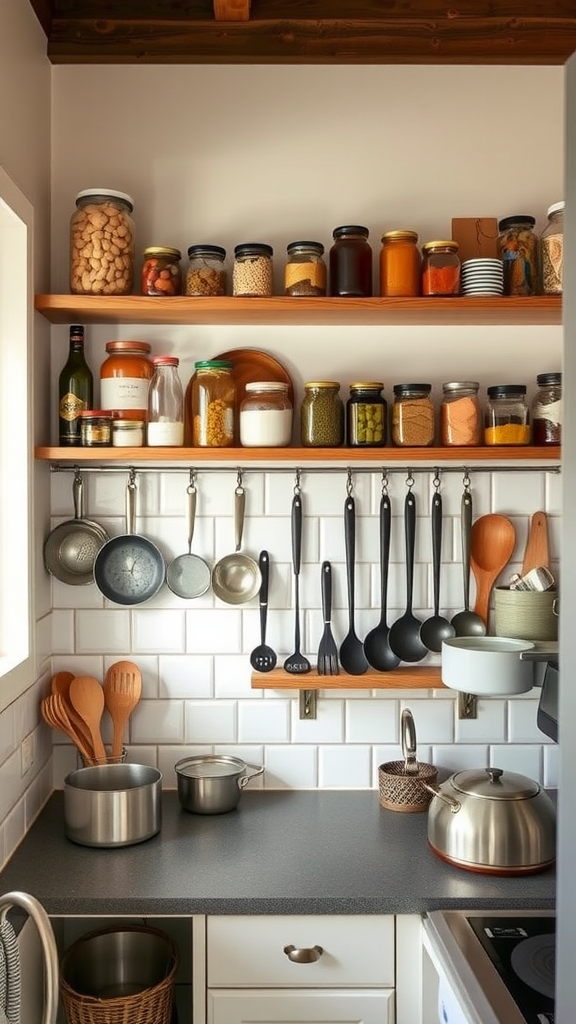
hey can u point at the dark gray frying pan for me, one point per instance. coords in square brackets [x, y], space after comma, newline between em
[129, 569]
[71, 548]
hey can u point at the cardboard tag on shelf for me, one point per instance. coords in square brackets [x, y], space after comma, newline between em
[476, 237]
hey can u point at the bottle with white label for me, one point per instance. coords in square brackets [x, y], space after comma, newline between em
[165, 404]
[124, 378]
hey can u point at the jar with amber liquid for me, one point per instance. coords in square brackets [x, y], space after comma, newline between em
[124, 379]
[400, 264]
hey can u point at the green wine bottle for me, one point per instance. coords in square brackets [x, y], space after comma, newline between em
[75, 389]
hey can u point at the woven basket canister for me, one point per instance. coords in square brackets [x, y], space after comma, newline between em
[122, 975]
[402, 792]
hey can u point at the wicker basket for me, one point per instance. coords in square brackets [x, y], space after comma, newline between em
[402, 792]
[113, 966]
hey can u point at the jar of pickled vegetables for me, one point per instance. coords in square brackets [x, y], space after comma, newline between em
[322, 415]
[400, 264]
[507, 417]
[161, 271]
[213, 399]
[518, 245]
[366, 415]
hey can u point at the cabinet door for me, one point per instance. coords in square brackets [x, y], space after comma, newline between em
[292, 1006]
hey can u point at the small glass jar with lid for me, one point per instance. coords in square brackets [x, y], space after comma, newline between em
[128, 433]
[206, 273]
[400, 264]
[507, 416]
[305, 270]
[546, 411]
[252, 274]
[102, 215]
[213, 400]
[266, 415]
[165, 404]
[161, 271]
[412, 416]
[322, 415]
[518, 247]
[351, 262]
[366, 415]
[440, 268]
[552, 251]
[460, 414]
[95, 428]
[124, 378]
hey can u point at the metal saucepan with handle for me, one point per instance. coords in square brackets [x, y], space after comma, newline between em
[188, 575]
[236, 578]
[492, 821]
[129, 569]
[71, 548]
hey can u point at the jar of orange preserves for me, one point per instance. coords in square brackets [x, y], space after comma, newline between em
[400, 263]
[124, 378]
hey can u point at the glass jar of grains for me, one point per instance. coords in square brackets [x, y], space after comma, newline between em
[124, 378]
[213, 399]
[440, 268]
[102, 243]
[507, 417]
[460, 414]
[518, 246]
[252, 274]
[552, 251]
[366, 415]
[547, 410]
[412, 416]
[305, 270]
[400, 263]
[206, 272]
[161, 271]
[266, 415]
[322, 415]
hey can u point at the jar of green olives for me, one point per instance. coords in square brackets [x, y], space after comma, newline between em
[366, 415]
[322, 415]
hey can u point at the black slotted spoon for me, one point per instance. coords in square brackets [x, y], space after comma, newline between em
[263, 658]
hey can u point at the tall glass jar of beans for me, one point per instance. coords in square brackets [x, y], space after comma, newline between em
[366, 415]
[351, 262]
[440, 268]
[102, 243]
[412, 416]
[213, 400]
[400, 263]
[322, 415]
[252, 274]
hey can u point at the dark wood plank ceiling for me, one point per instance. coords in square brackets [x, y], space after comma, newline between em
[308, 32]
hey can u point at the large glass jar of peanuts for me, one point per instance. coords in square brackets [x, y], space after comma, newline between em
[252, 275]
[102, 243]
[213, 400]
[206, 271]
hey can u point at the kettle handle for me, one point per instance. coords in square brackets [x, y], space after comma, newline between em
[433, 788]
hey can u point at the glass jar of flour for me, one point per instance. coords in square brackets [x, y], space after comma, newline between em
[266, 415]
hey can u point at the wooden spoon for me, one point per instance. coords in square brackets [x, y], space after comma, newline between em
[60, 683]
[491, 546]
[87, 697]
[537, 551]
[54, 713]
[122, 689]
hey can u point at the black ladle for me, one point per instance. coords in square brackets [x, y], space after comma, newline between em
[263, 658]
[405, 632]
[466, 622]
[352, 657]
[376, 643]
[436, 628]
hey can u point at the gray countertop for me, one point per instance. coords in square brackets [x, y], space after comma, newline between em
[279, 852]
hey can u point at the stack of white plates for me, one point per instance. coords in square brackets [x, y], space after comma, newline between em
[482, 277]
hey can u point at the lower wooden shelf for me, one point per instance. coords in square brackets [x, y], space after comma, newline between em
[406, 677]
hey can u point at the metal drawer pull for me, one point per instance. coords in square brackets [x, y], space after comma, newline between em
[303, 956]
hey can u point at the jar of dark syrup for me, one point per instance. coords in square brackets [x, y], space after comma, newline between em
[351, 262]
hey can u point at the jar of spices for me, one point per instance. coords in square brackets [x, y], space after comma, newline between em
[351, 262]
[127, 433]
[124, 378]
[305, 270]
[95, 428]
[518, 247]
[266, 415]
[400, 263]
[460, 414]
[440, 268]
[366, 411]
[552, 250]
[165, 404]
[322, 415]
[206, 272]
[161, 271]
[102, 243]
[547, 410]
[507, 417]
[213, 400]
[252, 274]
[412, 416]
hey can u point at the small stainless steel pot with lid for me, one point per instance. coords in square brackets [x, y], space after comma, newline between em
[213, 783]
[492, 821]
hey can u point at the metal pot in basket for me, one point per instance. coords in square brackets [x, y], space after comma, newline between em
[402, 783]
[213, 783]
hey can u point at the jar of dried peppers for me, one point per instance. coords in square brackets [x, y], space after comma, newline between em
[440, 268]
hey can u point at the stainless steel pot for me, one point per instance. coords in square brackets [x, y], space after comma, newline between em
[492, 821]
[213, 783]
[112, 804]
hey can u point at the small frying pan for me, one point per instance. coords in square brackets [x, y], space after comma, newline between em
[189, 575]
[71, 548]
[129, 569]
[236, 578]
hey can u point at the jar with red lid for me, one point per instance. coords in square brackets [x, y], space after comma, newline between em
[124, 378]
[440, 268]
[161, 271]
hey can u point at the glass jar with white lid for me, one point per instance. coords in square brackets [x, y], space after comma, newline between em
[266, 415]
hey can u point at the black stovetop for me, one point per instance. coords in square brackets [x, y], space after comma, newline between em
[522, 949]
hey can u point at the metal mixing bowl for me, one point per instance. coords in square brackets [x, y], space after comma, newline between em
[112, 804]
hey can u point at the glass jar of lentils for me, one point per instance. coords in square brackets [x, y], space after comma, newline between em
[412, 416]
[322, 415]
[206, 270]
[252, 274]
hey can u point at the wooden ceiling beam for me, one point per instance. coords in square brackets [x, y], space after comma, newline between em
[232, 10]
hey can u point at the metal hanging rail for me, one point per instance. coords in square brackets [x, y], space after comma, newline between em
[57, 467]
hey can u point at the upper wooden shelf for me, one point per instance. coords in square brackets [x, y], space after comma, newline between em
[285, 310]
[407, 677]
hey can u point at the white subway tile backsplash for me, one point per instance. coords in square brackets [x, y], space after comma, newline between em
[232, 674]
[372, 721]
[185, 676]
[65, 596]
[522, 727]
[327, 727]
[160, 631]
[157, 721]
[210, 721]
[62, 632]
[214, 631]
[345, 767]
[264, 721]
[102, 631]
[551, 766]
[488, 727]
[290, 767]
[515, 493]
[523, 758]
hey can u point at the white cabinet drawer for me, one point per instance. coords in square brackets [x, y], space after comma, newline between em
[293, 1006]
[249, 951]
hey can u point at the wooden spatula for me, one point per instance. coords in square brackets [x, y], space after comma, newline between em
[537, 551]
[122, 689]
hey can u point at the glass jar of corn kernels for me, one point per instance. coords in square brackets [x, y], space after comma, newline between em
[213, 400]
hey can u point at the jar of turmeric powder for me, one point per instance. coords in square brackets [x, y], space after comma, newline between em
[400, 263]
[412, 416]
[507, 417]
[440, 268]
[460, 414]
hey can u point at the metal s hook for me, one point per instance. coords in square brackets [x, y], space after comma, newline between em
[239, 488]
[466, 480]
[132, 477]
[436, 480]
[297, 487]
[384, 483]
[410, 481]
[192, 482]
[349, 483]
